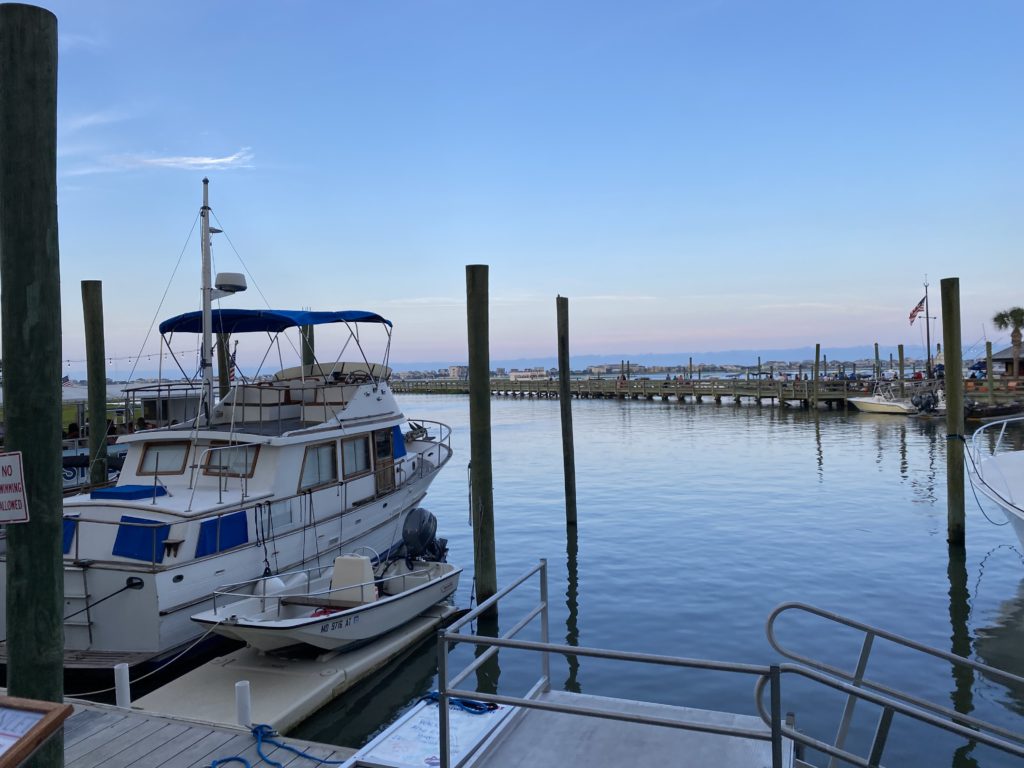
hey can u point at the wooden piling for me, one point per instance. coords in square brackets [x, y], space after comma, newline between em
[96, 374]
[878, 364]
[954, 412]
[565, 405]
[814, 387]
[308, 348]
[903, 371]
[989, 381]
[223, 364]
[480, 478]
[31, 338]
[690, 376]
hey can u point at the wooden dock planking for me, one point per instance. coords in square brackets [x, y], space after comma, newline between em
[101, 735]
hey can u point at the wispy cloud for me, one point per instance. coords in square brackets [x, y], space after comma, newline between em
[77, 123]
[243, 158]
[605, 297]
[69, 41]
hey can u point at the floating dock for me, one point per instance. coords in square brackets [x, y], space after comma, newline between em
[104, 735]
[284, 691]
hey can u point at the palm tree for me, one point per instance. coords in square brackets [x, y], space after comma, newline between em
[1012, 318]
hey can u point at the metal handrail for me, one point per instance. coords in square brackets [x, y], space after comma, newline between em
[889, 708]
[450, 636]
[861, 683]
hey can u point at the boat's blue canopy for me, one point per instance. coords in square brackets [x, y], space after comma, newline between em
[271, 320]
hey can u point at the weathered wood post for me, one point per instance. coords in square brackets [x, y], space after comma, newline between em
[308, 349]
[903, 372]
[96, 374]
[989, 380]
[690, 375]
[223, 364]
[30, 314]
[480, 477]
[565, 405]
[814, 386]
[878, 364]
[954, 411]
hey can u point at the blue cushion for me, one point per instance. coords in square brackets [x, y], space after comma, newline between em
[128, 492]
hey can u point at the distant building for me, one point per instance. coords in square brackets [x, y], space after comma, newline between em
[528, 374]
[458, 372]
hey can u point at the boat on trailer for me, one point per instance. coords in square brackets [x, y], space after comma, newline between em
[332, 608]
[279, 473]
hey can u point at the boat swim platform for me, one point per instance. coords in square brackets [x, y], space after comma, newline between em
[284, 691]
[513, 737]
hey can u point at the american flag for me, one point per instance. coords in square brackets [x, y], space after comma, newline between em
[916, 311]
[231, 364]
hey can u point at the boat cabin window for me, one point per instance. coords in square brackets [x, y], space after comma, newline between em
[227, 460]
[319, 466]
[355, 456]
[382, 445]
[164, 458]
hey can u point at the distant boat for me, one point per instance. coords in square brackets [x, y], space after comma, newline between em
[977, 411]
[884, 400]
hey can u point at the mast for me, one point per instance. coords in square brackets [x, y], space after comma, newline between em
[927, 330]
[206, 363]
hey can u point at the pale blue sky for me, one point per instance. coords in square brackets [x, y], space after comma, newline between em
[698, 175]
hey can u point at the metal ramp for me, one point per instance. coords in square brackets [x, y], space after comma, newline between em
[543, 728]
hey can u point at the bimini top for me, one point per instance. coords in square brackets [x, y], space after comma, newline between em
[272, 320]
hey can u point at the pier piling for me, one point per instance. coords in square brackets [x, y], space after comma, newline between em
[482, 491]
[950, 287]
[308, 348]
[989, 383]
[96, 373]
[814, 386]
[903, 370]
[30, 313]
[565, 405]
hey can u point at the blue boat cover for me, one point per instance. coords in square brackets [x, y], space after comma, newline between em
[265, 320]
[142, 541]
[70, 527]
[397, 442]
[128, 492]
[234, 531]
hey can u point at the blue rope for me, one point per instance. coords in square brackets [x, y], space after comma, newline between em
[264, 734]
[467, 705]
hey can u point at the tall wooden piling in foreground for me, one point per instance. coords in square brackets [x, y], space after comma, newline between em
[480, 477]
[565, 405]
[30, 314]
[903, 371]
[308, 348]
[954, 411]
[96, 374]
[989, 381]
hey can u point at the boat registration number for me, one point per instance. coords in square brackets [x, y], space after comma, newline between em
[330, 626]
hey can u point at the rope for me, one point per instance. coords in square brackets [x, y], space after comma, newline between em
[264, 734]
[466, 705]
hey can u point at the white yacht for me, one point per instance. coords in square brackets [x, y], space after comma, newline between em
[995, 467]
[281, 473]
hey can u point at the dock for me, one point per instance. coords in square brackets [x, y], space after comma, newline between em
[284, 691]
[104, 735]
[760, 391]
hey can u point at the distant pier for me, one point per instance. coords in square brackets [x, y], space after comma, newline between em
[762, 391]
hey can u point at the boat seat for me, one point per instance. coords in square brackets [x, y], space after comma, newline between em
[320, 602]
[352, 579]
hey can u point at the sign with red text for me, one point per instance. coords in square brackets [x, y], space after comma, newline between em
[13, 506]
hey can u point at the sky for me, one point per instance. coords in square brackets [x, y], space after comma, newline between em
[692, 175]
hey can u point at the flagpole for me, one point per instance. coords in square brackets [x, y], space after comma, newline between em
[927, 330]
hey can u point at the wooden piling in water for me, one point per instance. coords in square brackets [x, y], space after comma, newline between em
[954, 412]
[481, 479]
[814, 387]
[96, 374]
[989, 382]
[223, 369]
[903, 370]
[878, 364]
[30, 314]
[308, 349]
[565, 405]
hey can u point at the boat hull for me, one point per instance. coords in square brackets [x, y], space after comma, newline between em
[882, 405]
[330, 630]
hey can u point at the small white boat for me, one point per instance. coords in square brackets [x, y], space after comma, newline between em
[883, 400]
[333, 608]
[995, 467]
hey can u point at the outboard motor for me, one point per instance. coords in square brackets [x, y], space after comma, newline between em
[419, 536]
[927, 403]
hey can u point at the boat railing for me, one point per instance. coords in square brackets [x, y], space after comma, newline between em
[857, 687]
[988, 440]
[487, 648]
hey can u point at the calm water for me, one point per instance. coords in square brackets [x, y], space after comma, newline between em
[695, 520]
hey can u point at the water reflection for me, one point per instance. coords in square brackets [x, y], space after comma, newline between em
[1000, 646]
[572, 631]
[488, 673]
[962, 694]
